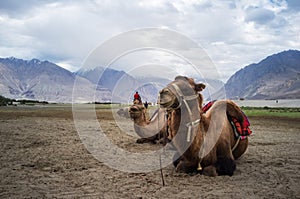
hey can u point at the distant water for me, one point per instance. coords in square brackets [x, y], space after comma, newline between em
[295, 103]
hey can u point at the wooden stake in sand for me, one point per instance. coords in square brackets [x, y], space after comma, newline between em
[164, 144]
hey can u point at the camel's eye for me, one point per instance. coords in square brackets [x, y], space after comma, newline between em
[162, 91]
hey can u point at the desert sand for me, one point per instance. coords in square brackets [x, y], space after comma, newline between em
[42, 156]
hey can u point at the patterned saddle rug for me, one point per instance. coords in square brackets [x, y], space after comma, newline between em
[240, 130]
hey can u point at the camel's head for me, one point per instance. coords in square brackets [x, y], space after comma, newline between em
[171, 96]
[136, 111]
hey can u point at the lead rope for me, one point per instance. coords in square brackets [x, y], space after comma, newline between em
[201, 152]
[236, 144]
[160, 163]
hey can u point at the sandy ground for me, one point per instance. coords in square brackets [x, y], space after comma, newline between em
[43, 156]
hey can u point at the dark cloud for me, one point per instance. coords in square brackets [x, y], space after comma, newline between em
[259, 15]
[17, 8]
[294, 5]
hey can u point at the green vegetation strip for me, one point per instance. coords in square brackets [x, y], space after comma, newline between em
[272, 112]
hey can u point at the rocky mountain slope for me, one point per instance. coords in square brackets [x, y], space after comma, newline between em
[275, 77]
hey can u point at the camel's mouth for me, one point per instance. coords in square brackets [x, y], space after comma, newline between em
[134, 109]
[165, 103]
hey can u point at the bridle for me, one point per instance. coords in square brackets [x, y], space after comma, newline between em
[184, 99]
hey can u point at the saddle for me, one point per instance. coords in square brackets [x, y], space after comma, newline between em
[240, 130]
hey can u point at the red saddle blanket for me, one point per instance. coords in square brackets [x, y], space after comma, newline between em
[242, 129]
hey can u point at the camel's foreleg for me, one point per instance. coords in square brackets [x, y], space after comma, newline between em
[146, 140]
[186, 167]
[225, 166]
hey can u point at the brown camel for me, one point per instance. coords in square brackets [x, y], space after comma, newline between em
[205, 142]
[150, 130]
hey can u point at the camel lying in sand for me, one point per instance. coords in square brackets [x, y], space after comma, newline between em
[205, 142]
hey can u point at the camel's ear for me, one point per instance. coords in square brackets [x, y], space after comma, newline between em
[199, 87]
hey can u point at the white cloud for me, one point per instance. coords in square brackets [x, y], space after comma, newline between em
[233, 33]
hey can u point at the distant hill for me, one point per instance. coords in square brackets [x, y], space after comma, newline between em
[121, 84]
[44, 81]
[275, 77]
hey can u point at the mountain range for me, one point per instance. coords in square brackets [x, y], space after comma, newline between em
[44, 81]
[275, 77]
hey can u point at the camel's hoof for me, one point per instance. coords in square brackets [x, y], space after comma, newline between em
[141, 141]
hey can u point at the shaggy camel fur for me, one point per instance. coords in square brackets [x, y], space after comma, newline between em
[204, 141]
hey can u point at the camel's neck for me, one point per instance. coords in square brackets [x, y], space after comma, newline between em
[140, 121]
[145, 128]
[188, 130]
[190, 111]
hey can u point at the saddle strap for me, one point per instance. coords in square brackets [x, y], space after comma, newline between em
[236, 144]
[237, 135]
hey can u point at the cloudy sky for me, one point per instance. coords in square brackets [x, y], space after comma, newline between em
[232, 33]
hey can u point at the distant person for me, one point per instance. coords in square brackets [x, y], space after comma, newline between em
[137, 97]
[146, 104]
